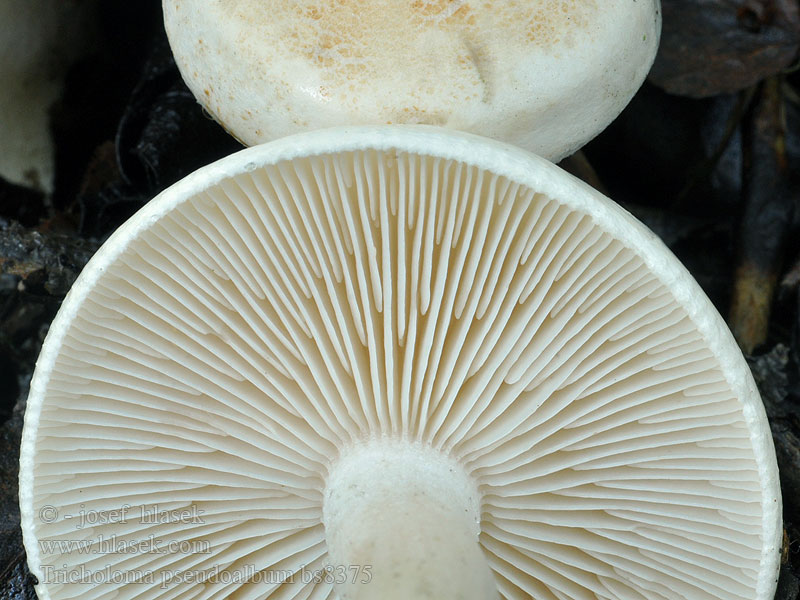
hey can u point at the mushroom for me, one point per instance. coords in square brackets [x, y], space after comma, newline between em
[544, 75]
[393, 362]
[39, 40]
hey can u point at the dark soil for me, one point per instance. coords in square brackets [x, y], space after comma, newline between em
[707, 155]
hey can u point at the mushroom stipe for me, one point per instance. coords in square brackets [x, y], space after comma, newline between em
[267, 346]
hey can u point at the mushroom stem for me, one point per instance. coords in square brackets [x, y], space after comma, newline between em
[402, 520]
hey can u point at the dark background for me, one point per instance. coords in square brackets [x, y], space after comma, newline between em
[707, 155]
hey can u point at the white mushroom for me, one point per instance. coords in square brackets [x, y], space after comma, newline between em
[39, 39]
[437, 365]
[545, 75]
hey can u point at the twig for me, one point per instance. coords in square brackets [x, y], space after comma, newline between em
[767, 215]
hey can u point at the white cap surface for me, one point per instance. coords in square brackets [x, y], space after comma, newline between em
[545, 75]
[259, 351]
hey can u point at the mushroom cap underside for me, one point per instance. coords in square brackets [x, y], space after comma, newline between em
[275, 310]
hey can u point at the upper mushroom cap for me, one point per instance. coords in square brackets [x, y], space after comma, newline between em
[545, 75]
[251, 348]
